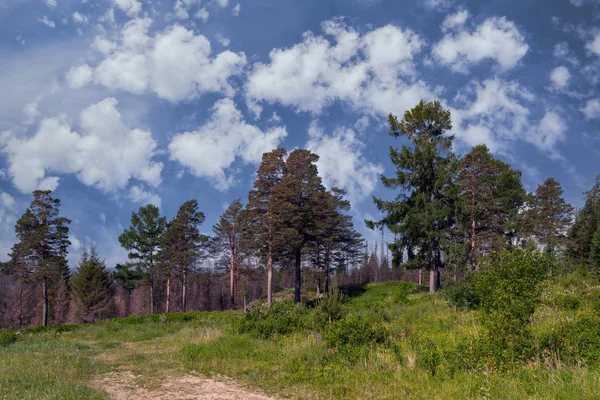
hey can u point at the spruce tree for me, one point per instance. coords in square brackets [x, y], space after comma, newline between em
[228, 233]
[93, 289]
[422, 213]
[142, 239]
[586, 225]
[40, 254]
[262, 232]
[183, 246]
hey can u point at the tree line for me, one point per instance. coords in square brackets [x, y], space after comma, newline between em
[448, 212]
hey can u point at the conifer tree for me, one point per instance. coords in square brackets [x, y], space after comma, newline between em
[93, 289]
[142, 239]
[262, 232]
[298, 201]
[586, 225]
[40, 254]
[183, 246]
[548, 216]
[228, 232]
[423, 211]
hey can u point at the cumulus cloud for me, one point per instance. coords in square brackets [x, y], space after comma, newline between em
[223, 40]
[47, 22]
[211, 149]
[592, 109]
[30, 111]
[139, 195]
[494, 39]
[8, 219]
[370, 72]
[80, 18]
[182, 8]
[560, 76]
[202, 15]
[175, 64]
[106, 155]
[79, 76]
[50, 3]
[594, 45]
[236, 10]
[129, 7]
[223, 3]
[342, 162]
[439, 5]
[496, 112]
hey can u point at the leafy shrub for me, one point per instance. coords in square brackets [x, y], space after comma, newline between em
[282, 318]
[566, 301]
[463, 294]
[7, 337]
[576, 341]
[331, 305]
[509, 289]
[353, 337]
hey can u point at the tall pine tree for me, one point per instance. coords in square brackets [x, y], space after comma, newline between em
[93, 289]
[40, 254]
[142, 239]
[586, 225]
[422, 213]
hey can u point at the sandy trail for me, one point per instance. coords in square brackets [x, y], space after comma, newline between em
[123, 386]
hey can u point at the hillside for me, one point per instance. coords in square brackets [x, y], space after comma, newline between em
[392, 341]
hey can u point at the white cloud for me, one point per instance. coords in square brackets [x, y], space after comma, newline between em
[139, 195]
[439, 5]
[80, 18]
[208, 151]
[129, 7]
[107, 155]
[223, 40]
[50, 3]
[47, 22]
[236, 10]
[592, 109]
[223, 3]
[372, 72]
[103, 45]
[6, 200]
[182, 7]
[75, 243]
[561, 50]
[79, 76]
[202, 15]
[594, 45]
[456, 20]
[495, 112]
[495, 39]
[175, 64]
[342, 162]
[8, 219]
[30, 111]
[560, 76]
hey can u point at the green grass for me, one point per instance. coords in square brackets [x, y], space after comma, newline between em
[419, 359]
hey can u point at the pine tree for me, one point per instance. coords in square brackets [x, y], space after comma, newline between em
[490, 195]
[263, 227]
[40, 254]
[422, 213]
[228, 233]
[548, 216]
[142, 239]
[183, 246]
[587, 223]
[298, 200]
[93, 289]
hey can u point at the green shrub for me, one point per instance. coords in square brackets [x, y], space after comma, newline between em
[566, 301]
[463, 294]
[355, 331]
[576, 341]
[7, 337]
[510, 290]
[281, 319]
[331, 306]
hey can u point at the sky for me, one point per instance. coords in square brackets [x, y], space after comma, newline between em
[115, 104]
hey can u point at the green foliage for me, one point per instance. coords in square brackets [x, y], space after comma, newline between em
[576, 340]
[463, 294]
[596, 252]
[331, 305]
[7, 337]
[93, 288]
[380, 295]
[281, 319]
[510, 290]
[352, 337]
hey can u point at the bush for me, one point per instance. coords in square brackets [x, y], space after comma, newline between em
[281, 319]
[7, 337]
[576, 341]
[509, 290]
[353, 337]
[331, 306]
[463, 294]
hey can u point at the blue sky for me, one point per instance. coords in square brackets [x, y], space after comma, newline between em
[116, 104]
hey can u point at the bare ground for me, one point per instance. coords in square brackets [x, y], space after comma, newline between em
[126, 386]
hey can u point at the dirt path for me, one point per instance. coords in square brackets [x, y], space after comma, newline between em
[124, 386]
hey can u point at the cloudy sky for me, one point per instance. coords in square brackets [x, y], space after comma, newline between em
[118, 103]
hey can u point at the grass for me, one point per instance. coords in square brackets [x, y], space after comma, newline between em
[418, 360]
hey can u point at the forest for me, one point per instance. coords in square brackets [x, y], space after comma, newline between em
[464, 230]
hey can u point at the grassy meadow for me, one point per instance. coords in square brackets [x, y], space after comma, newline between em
[391, 341]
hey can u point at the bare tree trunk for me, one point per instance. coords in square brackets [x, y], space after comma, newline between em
[45, 300]
[327, 271]
[168, 294]
[420, 276]
[473, 266]
[152, 297]
[432, 280]
[298, 283]
[20, 304]
[183, 290]
[270, 280]
[318, 287]
[232, 277]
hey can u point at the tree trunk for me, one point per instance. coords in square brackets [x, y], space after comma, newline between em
[270, 280]
[151, 297]
[168, 294]
[298, 283]
[420, 276]
[327, 272]
[45, 301]
[232, 277]
[472, 255]
[432, 281]
[318, 287]
[183, 290]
